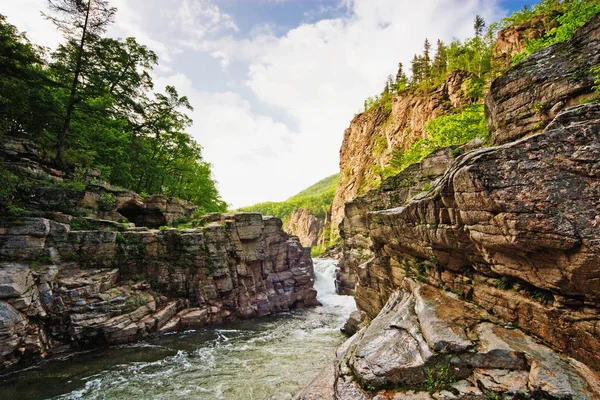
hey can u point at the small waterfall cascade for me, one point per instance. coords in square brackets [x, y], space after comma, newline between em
[325, 286]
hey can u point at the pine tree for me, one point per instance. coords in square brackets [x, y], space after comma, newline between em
[440, 60]
[401, 79]
[81, 23]
[426, 61]
[416, 69]
[478, 25]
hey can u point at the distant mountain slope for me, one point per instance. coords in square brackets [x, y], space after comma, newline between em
[316, 199]
[322, 187]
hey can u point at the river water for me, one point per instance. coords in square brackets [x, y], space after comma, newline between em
[266, 358]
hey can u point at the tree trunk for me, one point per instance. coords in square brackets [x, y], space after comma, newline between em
[62, 135]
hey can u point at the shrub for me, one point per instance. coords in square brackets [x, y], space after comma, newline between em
[444, 131]
[573, 14]
[107, 202]
[8, 189]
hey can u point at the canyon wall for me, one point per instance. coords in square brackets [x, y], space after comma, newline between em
[69, 281]
[308, 228]
[478, 269]
[373, 135]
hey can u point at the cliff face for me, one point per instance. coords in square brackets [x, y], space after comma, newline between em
[530, 94]
[87, 193]
[480, 272]
[369, 141]
[307, 227]
[62, 288]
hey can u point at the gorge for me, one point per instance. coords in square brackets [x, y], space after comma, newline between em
[465, 218]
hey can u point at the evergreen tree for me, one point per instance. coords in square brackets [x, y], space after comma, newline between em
[416, 66]
[440, 61]
[426, 60]
[401, 79]
[81, 23]
[479, 25]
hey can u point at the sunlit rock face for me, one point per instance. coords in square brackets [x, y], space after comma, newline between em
[372, 136]
[307, 227]
[62, 288]
[479, 268]
[531, 93]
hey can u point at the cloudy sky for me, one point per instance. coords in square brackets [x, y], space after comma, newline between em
[274, 83]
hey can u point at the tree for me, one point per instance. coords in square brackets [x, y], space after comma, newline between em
[427, 61]
[479, 25]
[27, 106]
[389, 85]
[401, 79]
[81, 23]
[440, 61]
[416, 67]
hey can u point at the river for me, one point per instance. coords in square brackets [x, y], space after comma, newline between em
[266, 358]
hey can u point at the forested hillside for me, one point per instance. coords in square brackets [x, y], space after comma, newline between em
[316, 199]
[555, 20]
[91, 103]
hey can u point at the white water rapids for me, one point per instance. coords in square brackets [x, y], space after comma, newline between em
[267, 358]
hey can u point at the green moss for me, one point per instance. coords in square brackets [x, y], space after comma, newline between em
[439, 378]
[107, 202]
[444, 131]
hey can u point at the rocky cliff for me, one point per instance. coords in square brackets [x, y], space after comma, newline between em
[307, 227]
[69, 280]
[478, 268]
[373, 135]
[63, 289]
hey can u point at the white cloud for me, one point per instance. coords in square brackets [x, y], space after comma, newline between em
[316, 75]
[200, 18]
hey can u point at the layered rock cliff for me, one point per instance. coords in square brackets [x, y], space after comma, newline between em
[69, 280]
[308, 228]
[63, 289]
[372, 136]
[478, 268]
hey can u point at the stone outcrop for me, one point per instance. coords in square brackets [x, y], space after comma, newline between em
[62, 288]
[87, 194]
[478, 268]
[500, 250]
[393, 192]
[426, 341]
[306, 226]
[373, 135]
[531, 93]
[512, 40]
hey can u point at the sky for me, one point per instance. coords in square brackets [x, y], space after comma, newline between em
[274, 83]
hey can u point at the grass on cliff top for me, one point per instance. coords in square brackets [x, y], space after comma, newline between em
[447, 130]
[562, 19]
[316, 199]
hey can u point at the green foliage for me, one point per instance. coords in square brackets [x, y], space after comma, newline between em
[316, 199]
[113, 120]
[439, 378]
[566, 15]
[542, 296]
[317, 251]
[8, 189]
[503, 283]
[321, 187]
[107, 202]
[444, 131]
[163, 228]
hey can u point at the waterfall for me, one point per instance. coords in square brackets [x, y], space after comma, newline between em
[325, 286]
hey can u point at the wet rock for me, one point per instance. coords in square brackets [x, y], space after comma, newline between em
[101, 286]
[354, 322]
